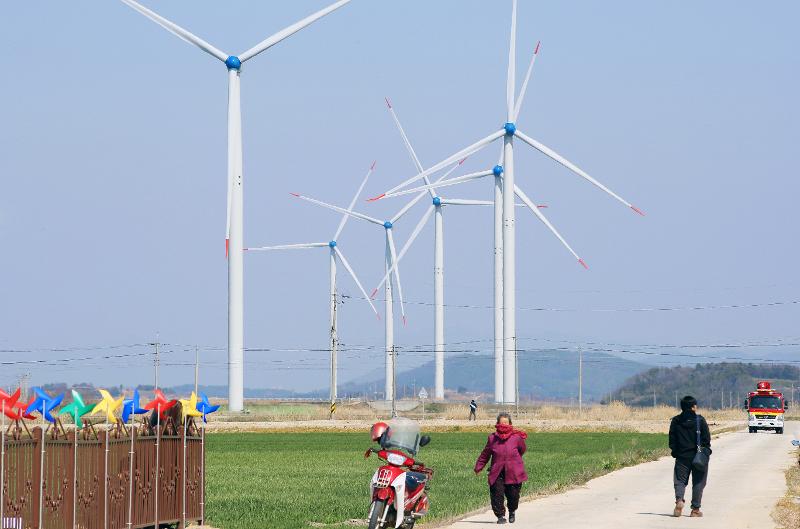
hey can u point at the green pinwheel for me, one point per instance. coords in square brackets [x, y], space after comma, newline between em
[77, 409]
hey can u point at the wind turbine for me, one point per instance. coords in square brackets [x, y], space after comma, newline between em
[334, 251]
[435, 209]
[505, 283]
[390, 257]
[234, 228]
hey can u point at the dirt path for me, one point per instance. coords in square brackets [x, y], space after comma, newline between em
[746, 479]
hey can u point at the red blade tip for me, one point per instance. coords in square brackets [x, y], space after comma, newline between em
[295, 195]
[388, 103]
[372, 296]
[583, 263]
[536, 51]
[373, 199]
[404, 321]
[371, 167]
[541, 206]
[637, 210]
[227, 243]
[464, 159]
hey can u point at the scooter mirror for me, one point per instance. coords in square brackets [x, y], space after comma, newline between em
[424, 440]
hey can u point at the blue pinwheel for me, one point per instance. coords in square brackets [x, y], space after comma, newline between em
[44, 404]
[131, 407]
[205, 407]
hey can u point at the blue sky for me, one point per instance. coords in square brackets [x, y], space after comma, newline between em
[112, 151]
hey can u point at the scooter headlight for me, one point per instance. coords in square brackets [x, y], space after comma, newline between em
[396, 459]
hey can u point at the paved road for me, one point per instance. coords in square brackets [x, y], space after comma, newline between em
[746, 478]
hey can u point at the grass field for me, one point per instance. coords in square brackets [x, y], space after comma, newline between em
[287, 480]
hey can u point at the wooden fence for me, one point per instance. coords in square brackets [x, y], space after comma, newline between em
[121, 478]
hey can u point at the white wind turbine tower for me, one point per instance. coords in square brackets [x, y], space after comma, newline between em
[234, 229]
[505, 283]
[436, 209]
[334, 252]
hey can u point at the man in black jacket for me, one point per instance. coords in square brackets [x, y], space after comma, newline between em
[683, 443]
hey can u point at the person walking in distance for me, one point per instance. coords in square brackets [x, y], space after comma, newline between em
[473, 410]
[505, 448]
[688, 434]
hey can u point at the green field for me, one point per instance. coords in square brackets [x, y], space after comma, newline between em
[258, 480]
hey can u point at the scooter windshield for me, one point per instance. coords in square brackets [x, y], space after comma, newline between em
[403, 434]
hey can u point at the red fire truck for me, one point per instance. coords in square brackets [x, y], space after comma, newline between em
[765, 408]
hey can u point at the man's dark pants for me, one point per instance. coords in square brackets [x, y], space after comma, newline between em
[500, 491]
[680, 478]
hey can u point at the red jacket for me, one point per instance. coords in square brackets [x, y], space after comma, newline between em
[505, 455]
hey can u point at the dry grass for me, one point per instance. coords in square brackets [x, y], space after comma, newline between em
[787, 510]
[277, 416]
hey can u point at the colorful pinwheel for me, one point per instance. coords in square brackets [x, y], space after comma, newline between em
[44, 404]
[206, 407]
[107, 405]
[131, 407]
[77, 409]
[189, 407]
[160, 403]
[8, 403]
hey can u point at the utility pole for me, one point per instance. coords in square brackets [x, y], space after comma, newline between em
[157, 359]
[580, 380]
[334, 342]
[654, 397]
[196, 367]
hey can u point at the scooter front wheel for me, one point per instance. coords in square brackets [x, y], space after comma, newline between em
[376, 511]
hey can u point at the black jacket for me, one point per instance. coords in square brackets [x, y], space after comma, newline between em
[683, 435]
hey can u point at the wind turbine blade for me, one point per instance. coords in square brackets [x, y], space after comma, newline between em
[528, 202]
[463, 153]
[177, 30]
[355, 278]
[524, 89]
[396, 266]
[340, 210]
[511, 81]
[441, 183]
[353, 202]
[406, 246]
[419, 197]
[408, 145]
[289, 31]
[574, 168]
[301, 246]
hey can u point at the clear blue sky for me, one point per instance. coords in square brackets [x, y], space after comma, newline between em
[112, 152]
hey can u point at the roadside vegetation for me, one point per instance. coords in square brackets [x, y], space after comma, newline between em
[301, 480]
[787, 511]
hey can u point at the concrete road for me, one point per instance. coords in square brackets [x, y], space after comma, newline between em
[746, 478]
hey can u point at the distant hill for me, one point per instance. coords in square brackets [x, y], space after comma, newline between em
[711, 384]
[543, 375]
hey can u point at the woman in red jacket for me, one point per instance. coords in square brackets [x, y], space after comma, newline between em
[505, 448]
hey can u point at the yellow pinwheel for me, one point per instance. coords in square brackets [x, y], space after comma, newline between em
[189, 407]
[108, 405]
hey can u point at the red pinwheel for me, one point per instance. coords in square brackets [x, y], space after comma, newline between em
[160, 403]
[8, 402]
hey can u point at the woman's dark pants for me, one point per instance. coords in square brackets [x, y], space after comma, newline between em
[500, 491]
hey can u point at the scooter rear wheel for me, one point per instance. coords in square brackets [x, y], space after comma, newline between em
[376, 514]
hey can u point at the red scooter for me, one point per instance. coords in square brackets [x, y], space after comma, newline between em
[399, 488]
